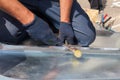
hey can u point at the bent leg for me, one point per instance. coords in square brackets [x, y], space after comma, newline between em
[83, 28]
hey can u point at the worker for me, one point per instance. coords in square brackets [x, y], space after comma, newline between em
[27, 18]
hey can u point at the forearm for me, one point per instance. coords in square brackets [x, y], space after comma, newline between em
[17, 10]
[65, 10]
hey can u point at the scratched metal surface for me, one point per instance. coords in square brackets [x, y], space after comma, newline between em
[57, 63]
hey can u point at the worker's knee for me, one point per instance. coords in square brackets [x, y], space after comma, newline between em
[85, 40]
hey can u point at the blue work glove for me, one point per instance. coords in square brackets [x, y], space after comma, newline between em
[66, 33]
[40, 31]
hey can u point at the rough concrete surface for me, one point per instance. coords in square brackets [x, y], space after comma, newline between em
[111, 11]
[102, 40]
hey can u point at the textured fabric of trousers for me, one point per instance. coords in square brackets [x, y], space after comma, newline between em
[11, 31]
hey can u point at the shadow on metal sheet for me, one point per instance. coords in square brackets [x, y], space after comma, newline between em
[9, 61]
[44, 63]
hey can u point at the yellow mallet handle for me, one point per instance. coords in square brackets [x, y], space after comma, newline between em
[76, 52]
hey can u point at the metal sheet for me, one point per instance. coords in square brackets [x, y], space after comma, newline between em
[57, 63]
[7, 78]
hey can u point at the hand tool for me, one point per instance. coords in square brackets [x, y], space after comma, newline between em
[76, 52]
[107, 20]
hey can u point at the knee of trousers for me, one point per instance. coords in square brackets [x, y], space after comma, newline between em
[85, 39]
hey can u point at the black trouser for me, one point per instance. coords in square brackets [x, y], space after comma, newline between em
[11, 31]
[96, 4]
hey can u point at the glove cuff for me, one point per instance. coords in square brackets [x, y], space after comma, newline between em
[64, 23]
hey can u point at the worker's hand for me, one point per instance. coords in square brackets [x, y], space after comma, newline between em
[66, 33]
[40, 31]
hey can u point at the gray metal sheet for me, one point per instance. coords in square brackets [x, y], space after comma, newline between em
[57, 63]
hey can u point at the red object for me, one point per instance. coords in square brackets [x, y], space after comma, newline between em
[105, 16]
